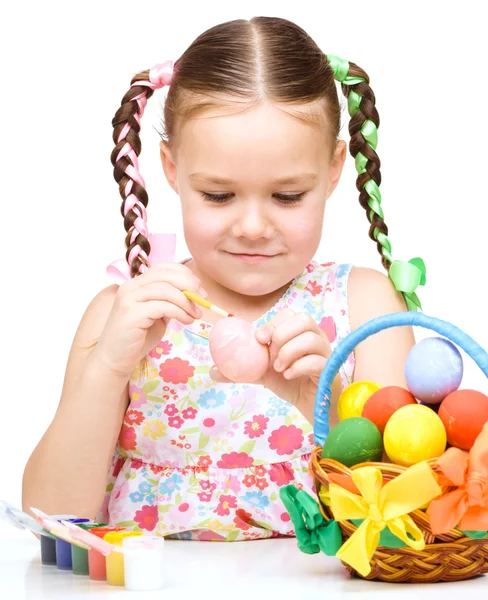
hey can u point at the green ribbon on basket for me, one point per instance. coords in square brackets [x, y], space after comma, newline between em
[314, 533]
[387, 538]
[406, 277]
[475, 535]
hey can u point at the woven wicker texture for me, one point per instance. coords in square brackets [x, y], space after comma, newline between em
[448, 557]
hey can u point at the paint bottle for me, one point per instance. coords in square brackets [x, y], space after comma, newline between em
[144, 563]
[115, 560]
[79, 556]
[48, 550]
[63, 548]
[96, 560]
[48, 544]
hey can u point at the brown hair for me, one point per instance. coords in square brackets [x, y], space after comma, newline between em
[244, 62]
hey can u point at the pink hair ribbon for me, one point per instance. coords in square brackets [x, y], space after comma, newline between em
[163, 246]
[159, 76]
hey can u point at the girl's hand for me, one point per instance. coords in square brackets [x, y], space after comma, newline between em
[140, 314]
[298, 352]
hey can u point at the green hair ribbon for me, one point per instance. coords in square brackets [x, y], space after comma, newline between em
[405, 276]
[314, 533]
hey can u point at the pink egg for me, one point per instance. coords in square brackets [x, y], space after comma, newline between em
[236, 352]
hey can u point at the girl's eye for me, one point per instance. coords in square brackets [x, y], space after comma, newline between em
[283, 198]
[290, 198]
[216, 197]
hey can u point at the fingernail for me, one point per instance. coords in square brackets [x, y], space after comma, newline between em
[278, 366]
[203, 293]
[213, 372]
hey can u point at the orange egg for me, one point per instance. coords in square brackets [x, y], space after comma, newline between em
[382, 404]
[464, 413]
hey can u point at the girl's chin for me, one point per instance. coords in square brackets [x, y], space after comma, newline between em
[254, 286]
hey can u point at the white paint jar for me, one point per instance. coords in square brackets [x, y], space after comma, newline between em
[144, 562]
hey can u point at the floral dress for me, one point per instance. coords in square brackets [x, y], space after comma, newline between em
[203, 460]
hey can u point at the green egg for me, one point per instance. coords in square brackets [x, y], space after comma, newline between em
[352, 441]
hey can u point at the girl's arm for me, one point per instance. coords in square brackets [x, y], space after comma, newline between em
[380, 358]
[67, 471]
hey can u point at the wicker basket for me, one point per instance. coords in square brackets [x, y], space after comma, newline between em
[448, 557]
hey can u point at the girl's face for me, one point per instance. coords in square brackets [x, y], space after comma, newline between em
[253, 187]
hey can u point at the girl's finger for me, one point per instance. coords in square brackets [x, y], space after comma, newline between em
[164, 291]
[311, 366]
[292, 328]
[265, 333]
[178, 275]
[217, 376]
[304, 344]
[160, 309]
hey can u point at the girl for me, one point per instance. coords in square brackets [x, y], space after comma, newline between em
[251, 147]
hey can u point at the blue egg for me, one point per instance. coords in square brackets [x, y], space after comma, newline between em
[434, 369]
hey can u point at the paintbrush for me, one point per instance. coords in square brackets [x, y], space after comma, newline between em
[206, 304]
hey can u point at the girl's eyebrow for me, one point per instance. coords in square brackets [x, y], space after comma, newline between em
[223, 180]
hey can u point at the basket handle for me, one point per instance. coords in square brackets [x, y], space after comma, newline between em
[398, 319]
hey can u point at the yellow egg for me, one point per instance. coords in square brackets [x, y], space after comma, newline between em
[354, 397]
[414, 433]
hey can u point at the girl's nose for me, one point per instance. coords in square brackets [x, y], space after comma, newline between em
[252, 222]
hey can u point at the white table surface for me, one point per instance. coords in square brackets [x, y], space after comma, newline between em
[269, 569]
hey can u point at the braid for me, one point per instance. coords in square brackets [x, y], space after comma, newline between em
[132, 188]
[363, 129]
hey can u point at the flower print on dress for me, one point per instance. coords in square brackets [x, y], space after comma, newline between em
[211, 399]
[312, 310]
[136, 497]
[189, 413]
[176, 370]
[214, 424]
[134, 417]
[170, 410]
[204, 461]
[147, 517]
[127, 438]
[281, 473]
[172, 483]
[175, 422]
[145, 487]
[204, 496]
[278, 407]
[313, 288]
[162, 349]
[226, 502]
[257, 499]
[181, 514]
[249, 480]
[137, 396]
[241, 520]
[328, 326]
[232, 483]
[154, 429]
[261, 483]
[286, 439]
[256, 427]
[235, 460]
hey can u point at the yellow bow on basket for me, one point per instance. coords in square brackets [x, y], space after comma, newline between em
[381, 506]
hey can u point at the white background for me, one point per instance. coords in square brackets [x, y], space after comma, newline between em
[65, 68]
